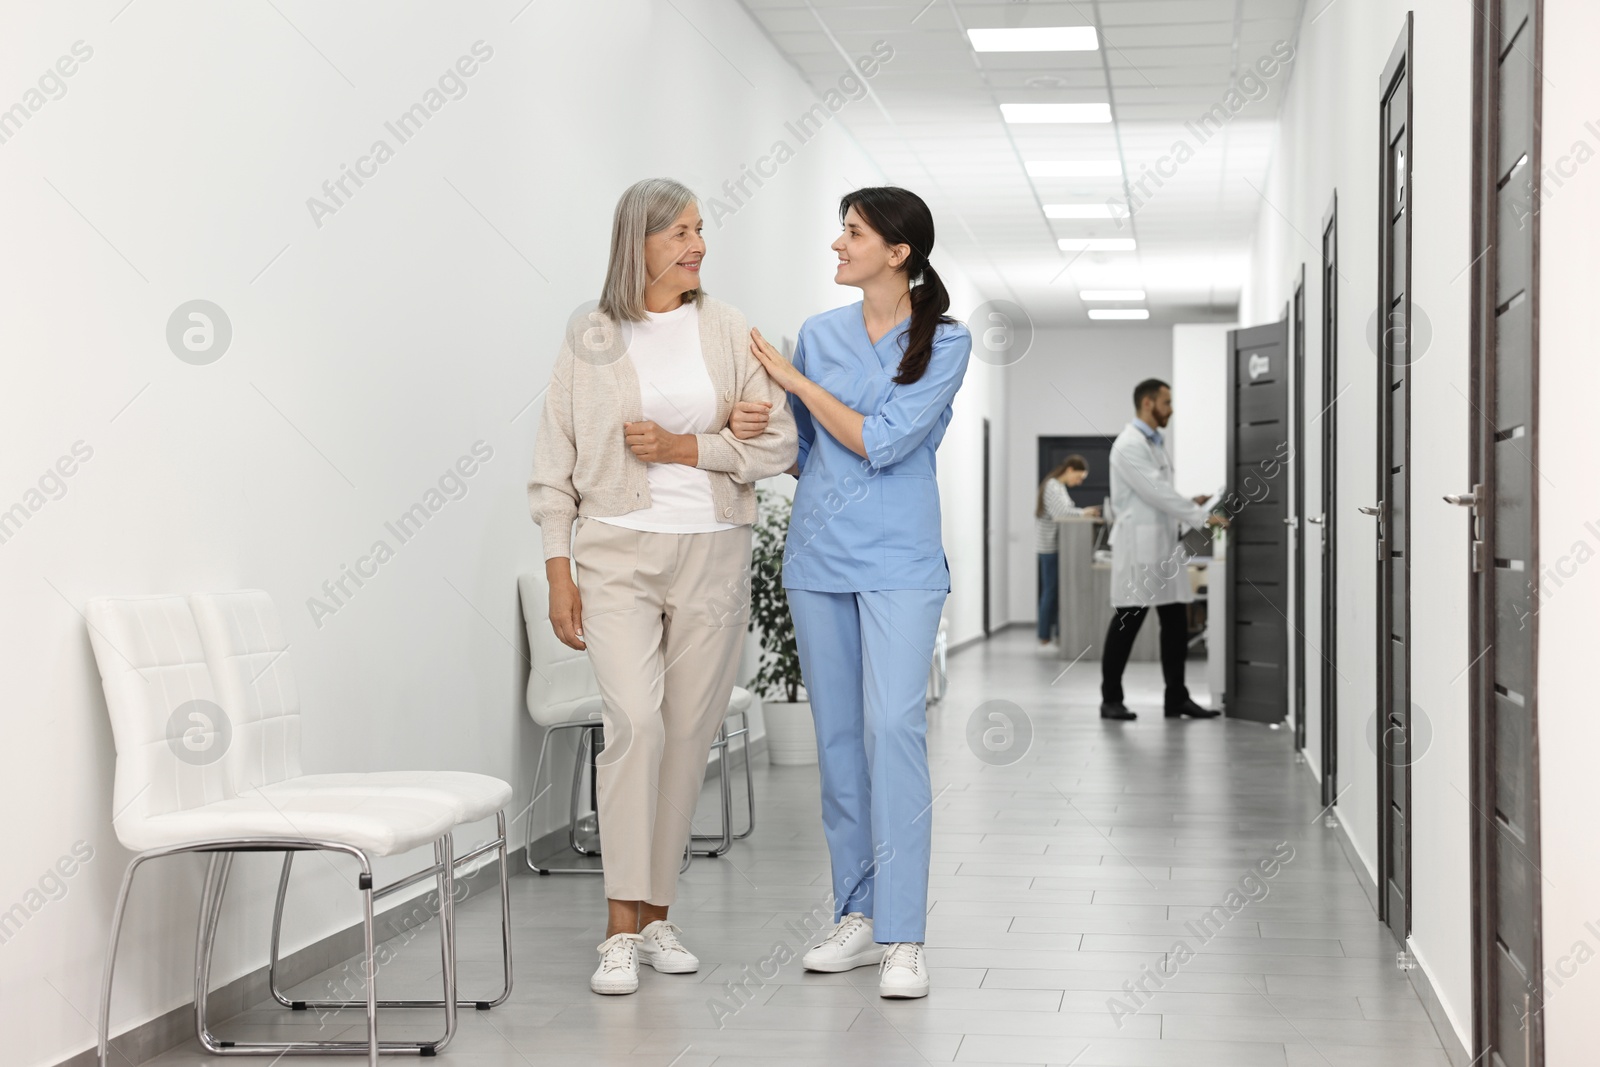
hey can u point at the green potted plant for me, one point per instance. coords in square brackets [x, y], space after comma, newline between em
[791, 735]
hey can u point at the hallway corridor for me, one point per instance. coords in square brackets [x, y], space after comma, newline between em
[1056, 880]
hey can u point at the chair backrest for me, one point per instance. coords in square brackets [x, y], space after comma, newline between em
[170, 732]
[248, 657]
[560, 681]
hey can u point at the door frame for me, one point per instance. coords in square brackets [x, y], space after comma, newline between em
[1329, 637]
[1297, 505]
[1483, 622]
[1399, 66]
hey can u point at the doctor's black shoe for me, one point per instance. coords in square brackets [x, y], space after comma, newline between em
[1116, 711]
[1193, 710]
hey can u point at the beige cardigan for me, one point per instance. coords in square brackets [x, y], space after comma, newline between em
[581, 464]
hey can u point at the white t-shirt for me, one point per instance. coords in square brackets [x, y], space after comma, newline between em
[678, 396]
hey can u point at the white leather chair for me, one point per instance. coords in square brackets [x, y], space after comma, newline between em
[563, 694]
[175, 793]
[248, 659]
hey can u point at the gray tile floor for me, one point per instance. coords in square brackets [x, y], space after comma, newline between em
[1057, 880]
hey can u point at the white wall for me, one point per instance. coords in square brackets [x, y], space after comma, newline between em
[1569, 535]
[961, 472]
[368, 353]
[1199, 430]
[1072, 381]
[1328, 141]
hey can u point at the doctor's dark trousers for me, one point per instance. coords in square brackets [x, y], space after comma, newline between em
[1125, 623]
[865, 657]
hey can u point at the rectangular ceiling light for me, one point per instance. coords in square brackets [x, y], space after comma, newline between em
[1085, 211]
[1118, 313]
[1074, 168]
[1056, 112]
[1096, 244]
[1111, 294]
[1036, 39]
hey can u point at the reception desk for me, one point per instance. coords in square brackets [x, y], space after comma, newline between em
[1085, 600]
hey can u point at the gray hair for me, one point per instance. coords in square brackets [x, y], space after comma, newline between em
[646, 207]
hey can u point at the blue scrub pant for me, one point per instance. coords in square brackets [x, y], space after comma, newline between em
[865, 658]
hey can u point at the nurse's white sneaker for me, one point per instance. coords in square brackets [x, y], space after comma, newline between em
[904, 972]
[619, 965]
[660, 948]
[849, 946]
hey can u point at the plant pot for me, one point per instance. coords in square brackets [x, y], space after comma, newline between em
[791, 735]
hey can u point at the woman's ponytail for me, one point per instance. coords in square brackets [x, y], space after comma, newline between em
[900, 216]
[929, 302]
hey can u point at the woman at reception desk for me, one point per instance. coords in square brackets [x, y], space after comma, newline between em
[1050, 504]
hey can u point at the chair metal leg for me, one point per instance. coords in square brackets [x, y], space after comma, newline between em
[532, 808]
[277, 934]
[216, 885]
[749, 777]
[505, 915]
[498, 845]
[587, 740]
[725, 838]
[444, 855]
[211, 908]
[533, 805]
[111, 957]
[369, 944]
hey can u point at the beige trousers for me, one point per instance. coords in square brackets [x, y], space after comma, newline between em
[664, 620]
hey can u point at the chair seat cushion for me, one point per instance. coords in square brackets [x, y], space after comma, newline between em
[473, 796]
[570, 711]
[377, 825]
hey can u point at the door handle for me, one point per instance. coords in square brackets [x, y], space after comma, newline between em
[1291, 521]
[1315, 520]
[1473, 500]
[1379, 513]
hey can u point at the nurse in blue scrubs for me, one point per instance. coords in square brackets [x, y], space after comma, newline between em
[871, 387]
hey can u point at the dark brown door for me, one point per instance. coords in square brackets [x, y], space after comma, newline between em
[1507, 963]
[1296, 520]
[1258, 540]
[1328, 417]
[1393, 510]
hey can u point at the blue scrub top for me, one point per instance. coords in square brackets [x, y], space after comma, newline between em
[864, 524]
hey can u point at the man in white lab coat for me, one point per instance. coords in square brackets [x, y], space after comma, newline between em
[1149, 568]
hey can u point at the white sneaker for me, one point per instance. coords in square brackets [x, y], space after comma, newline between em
[619, 965]
[850, 945]
[904, 973]
[661, 949]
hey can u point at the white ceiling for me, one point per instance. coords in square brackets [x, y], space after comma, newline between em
[932, 121]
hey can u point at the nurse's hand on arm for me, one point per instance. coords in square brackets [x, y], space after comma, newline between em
[838, 419]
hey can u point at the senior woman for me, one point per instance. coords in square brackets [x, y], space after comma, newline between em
[634, 446]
